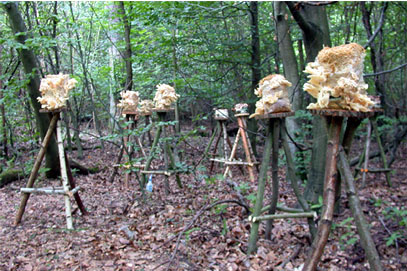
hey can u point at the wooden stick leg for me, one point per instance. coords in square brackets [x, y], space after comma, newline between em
[362, 226]
[324, 227]
[73, 185]
[295, 182]
[254, 232]
[232, 153]
[382, 153]
[225, 137]
[219, 129]
[246, 149]
[215, 132]
[151, 156]
[274, 172]
[64, 176]
[36, 167]
[365, 165]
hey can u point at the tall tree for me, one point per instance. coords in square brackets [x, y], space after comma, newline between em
[315, 30]
[127, 51]
[30, 67]
[255, 66]
[286, 50]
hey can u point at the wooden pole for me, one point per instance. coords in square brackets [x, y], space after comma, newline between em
[232, 155]
[64, 176]
[167, 151]
[73, 185]
[225, 139]
[294, 183]
[36, 167]
[324, 227]
[355, 206]
[382, 153]
[219, 129]
[254, 232]
[283, 216]
[274, 175]
[151, 155]
[246, 147]
[365, 165]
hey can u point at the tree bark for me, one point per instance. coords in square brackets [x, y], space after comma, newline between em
[314, 25]
[286, 50]
[127, 52]
[376, 50]
[256, 68]
[30, 67]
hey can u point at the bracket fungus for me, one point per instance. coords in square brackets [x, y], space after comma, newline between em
[165, 96]
[54, 90]
[336, 79]
[129, 100]
[274, 95]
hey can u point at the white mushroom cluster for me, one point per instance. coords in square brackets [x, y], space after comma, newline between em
[54, 90]
[129, 100]
[274, 95]
[145, 107]
[336, 79]
[165, 96]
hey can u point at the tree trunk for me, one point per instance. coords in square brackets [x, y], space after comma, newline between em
[3, 114]
[314, 25]
[376, 51]
[286, 50]
[127, 52]
[29, 62]
[256, 69]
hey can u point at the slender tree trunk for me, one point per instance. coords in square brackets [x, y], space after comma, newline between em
[256, 69]
[314, 25]
[29, 62]
[376, 50]
[127, 52]
[3, 113]
[87, 83]
[286, 50]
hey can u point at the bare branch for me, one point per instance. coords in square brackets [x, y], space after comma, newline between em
[388, 71]
[320, 3]
[379, 27]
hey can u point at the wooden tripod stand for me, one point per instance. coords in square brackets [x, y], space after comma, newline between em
[335, 149]
[170, 167]
[68, 188]
[250, 158]
[133, 117]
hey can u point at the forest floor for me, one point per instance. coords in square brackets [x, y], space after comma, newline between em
[216, 239]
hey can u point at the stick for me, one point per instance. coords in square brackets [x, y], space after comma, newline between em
[282, 216]
[246, 148]
[382, 153]
[369, 132]
[356, 208]
[324, 227]
[274, 176]
[260, 190]
[64, 177]
[36, 167]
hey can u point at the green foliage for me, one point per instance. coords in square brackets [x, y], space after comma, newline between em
[348, 238]
[398, 216]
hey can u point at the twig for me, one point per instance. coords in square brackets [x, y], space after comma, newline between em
[388, 71]
[389, 232]
[379, 27]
